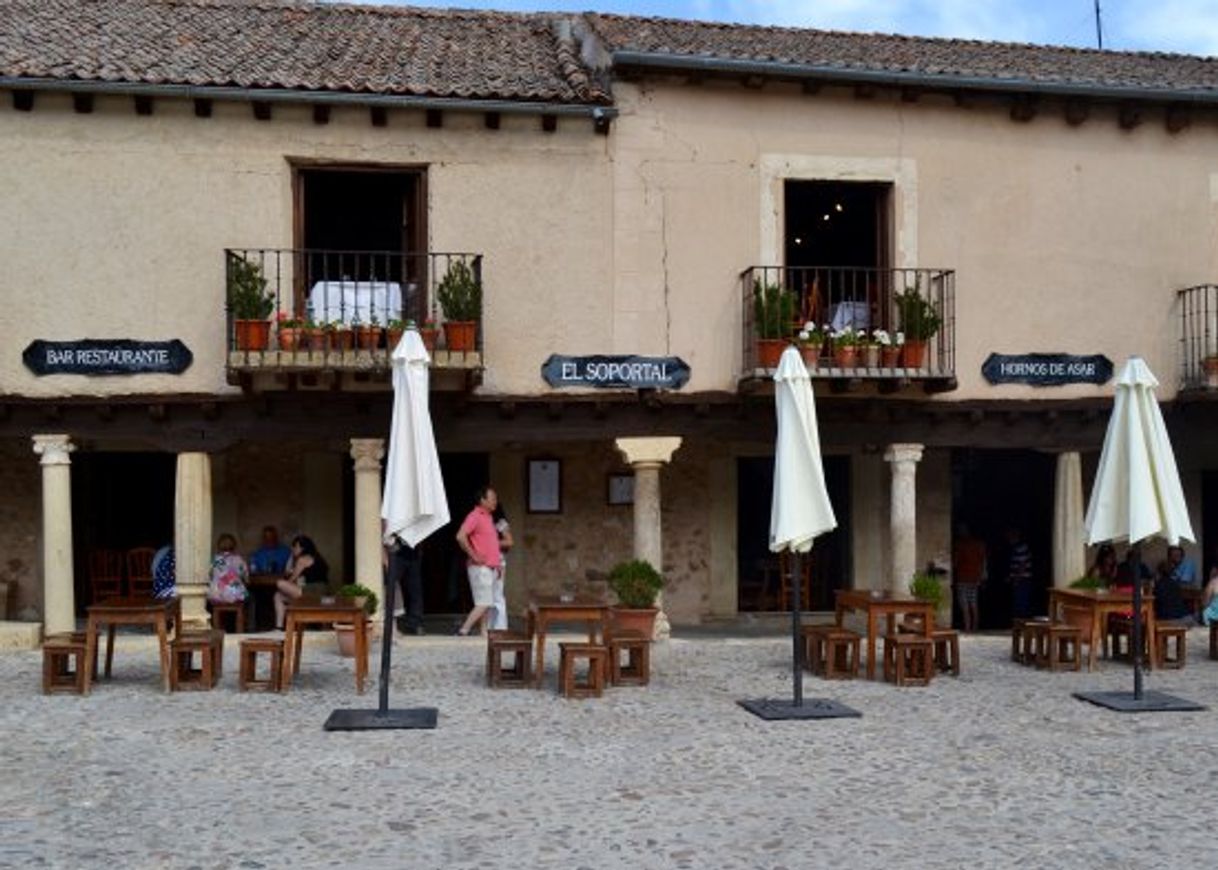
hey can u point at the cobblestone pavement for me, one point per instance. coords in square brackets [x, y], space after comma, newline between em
[998, 768]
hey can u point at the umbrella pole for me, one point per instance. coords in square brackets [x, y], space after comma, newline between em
[797, 645]
[386, 637]
[1135, 642]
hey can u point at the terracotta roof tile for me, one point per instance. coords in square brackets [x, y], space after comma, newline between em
[297, 45]
[954, 58]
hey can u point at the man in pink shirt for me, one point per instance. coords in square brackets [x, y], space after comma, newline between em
[480, 541]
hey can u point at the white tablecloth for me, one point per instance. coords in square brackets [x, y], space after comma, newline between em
[849, 314]
[357, 301]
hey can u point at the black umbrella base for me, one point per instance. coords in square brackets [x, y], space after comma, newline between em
[1150, 702]
[381, 720]
[812, 708]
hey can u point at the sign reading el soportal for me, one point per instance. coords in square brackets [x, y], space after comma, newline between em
[105, 356]
[1046, 369]
[606, 372]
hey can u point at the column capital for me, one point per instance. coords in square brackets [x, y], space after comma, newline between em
[54, 449]
[367, 453]
[648, 452]
[902, 453]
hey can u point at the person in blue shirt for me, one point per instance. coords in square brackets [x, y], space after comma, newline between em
[272, 557]
[1180, 568]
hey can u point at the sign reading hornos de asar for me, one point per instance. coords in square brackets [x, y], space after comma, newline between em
[606, 372]
[1046, 369]
[93, 356]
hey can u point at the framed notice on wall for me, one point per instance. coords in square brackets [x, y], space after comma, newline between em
[544, 486]
[621, 489]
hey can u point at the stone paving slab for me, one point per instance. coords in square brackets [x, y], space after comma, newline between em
[998, 768]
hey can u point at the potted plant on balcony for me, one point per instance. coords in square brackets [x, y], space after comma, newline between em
[367, 335]
[920, 321]
[339, 335]
[345, 631]
[889, 346]
[636, 584]
[290, 331]
[1209, 365]
[773, 311]
[314, 335]
[810, 340]
[845, 347]
[393, 333]
[869, 349]
[460, 295]
[250, 304]
[430, 334]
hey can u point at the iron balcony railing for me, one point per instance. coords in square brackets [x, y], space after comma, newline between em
[779, 301]
[327, 302]
[1199, 337]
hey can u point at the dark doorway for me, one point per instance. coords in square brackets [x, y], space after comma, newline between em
[834, 223]
[996, 490]
[445, 582]
[119, 501]
[757, 569]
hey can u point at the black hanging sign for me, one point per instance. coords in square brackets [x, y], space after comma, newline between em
[606, 372]
[1046, 369]
[100, 356]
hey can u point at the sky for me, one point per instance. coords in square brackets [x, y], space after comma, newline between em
[1186, 26]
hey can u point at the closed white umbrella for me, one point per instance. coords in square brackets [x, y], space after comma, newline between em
[800, 509]
[413, 506]
[1137, 495]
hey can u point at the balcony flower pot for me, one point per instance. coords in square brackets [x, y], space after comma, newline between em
[431, 336]
[393, 334]
[367, 336]
[769, 351]
[252, 334]
[846, 356]
[290, 337]
[810, 354]
[870, 354]
[314, 338]
[913, 353]
[1210, 366]
[341, 338]
[890, 356]
[459, 335]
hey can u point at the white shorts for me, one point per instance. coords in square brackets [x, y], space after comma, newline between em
[482, 584]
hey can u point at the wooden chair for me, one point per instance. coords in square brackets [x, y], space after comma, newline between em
[814, 645]
[594, 683]
[105, 574]
[250, 648]
[1061, 648]
[636, 670]
[785, 593]
[517, 644]
[139, 572]
[946, 650]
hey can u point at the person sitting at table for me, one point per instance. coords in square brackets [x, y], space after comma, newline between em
[272, 557]
[164, 581]
[1104, 568]
[229, 573]
[1169, 601]
[1210, 596]
[308, 573]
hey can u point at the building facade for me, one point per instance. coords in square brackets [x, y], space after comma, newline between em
[617, 188]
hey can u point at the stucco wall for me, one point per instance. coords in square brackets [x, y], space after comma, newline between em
[20, 526]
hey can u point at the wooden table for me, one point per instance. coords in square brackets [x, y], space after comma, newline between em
[1094, 607]
[546, 611]
[878, 603]
[324, 612]
[113, 612]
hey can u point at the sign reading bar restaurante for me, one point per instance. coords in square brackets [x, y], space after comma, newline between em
[1046, 369]
[91, 356]
[605, 372]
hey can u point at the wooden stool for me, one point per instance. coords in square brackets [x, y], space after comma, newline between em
[1178, 633]
[182, 673]
[814, 645]
[572, 653]
[841, 657]
[1035, 641]
[519, 676]
[249, 664]
[947, 650]
[216, 637]
[236, 608]
[63, 664]
[637, 669]
[908, 659]
[1062, 648]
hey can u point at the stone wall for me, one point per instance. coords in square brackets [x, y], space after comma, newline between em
[20, 520]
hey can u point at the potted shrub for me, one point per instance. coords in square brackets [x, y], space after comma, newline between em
[928, 586]
[339, 335]
[345, 631]
[845, 348]
[250, 304]
[460, 295]
[636, 584]
[920, 321]
[773, 311]
[314, 335]
[869, 349]
[290, 329]
[1088, 582]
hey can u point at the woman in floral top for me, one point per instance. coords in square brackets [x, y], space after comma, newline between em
[229, 573]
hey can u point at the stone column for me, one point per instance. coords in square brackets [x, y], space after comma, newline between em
[192, 535]
[368, 453]
[1069, 553]
[647, 456]
[58, 585]
[902, 520]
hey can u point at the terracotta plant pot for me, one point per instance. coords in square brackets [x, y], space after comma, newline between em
[392, 337]
[315, 339]
[871, 356]
[290, 337]
[367, 337]
[430, 336]
[810, 354]
[252, 334]
[460, 335]
[890, 356]
[769, 351]
[913, 354]
[642, 620]
[341, 339]
[344, 633]
[846, 357]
